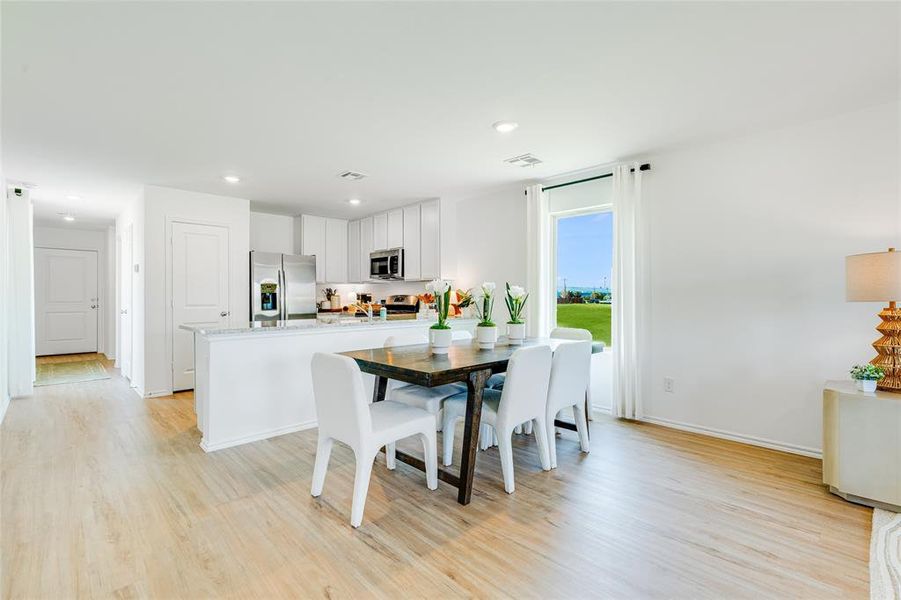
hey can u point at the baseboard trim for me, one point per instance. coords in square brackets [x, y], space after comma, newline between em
[737, 437]
[4, 405]
[255, 437]
[158, 393]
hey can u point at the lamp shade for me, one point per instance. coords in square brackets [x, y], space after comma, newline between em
[873, 277]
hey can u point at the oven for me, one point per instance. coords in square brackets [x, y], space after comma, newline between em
[387, 265]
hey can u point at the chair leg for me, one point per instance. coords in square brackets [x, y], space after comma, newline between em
[320, 467]
[439, 419]
[552, 440]
[517, 430]
[390, 456]
[505, 448]
[581, 426]
[448, 441]
[542, 438]
[361, 487]
[527, 428]
[485, 437]
[430, 453]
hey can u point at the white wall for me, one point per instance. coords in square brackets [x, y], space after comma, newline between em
[491, 241]
[271, 233]
[747, 246]
[74, 238]
[132, 274]
[161, 206]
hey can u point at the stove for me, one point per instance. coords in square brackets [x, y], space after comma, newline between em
[396, 305]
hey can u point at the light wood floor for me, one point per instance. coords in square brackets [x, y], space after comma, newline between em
[105, 494]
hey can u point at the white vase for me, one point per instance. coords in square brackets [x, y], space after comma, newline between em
[440, 340]
[516, 333]
[487, 337]
[866, 385]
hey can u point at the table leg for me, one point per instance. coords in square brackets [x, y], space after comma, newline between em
[475, 385]
[379, 389]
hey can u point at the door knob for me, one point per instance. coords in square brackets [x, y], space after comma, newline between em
[93, 306]
[223, 314]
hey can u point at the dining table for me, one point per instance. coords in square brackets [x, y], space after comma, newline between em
[465, 363]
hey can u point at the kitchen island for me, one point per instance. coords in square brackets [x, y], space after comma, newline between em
[253, 383]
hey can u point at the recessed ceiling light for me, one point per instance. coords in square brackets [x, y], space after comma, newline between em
[73, 197]
[354, 201]
[232, 179]
[505, 126]
[68, 218]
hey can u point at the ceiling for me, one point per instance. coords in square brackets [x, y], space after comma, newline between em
[100, 98]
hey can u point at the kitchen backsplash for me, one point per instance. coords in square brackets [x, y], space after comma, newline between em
[379, 291]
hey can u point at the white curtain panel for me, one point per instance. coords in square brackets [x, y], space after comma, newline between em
[20, 294]
[538, 235]
[627, 290]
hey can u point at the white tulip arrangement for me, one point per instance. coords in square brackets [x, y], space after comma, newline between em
[516, 302]
[441, 290]
[485, 306]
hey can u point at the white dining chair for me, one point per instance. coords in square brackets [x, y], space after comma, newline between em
[570, 372]
[524, 398]
[426, 398]
[345, 415]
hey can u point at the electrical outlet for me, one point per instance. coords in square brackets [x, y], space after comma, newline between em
[669, 385]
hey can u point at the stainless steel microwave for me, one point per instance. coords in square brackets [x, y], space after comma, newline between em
[387, 265]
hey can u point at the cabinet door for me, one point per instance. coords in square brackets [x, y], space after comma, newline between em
[412, 243]
[365, 247]
[380, 232]
[335, 250]
[430, 232]
[353, 252]
[313, 243]
[396, 228]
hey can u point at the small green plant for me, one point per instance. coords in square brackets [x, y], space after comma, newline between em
[485, 307]
[516, 301]
[441, 290]
[867, 372]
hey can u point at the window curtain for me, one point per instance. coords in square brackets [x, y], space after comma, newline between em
[20, 293]
[538, 235]
[628, 291]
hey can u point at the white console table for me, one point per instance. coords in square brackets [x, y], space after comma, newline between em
[862, 445]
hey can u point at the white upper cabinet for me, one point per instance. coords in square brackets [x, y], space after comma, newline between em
[313, 242]
[366, 246]
[412, 240]
[396, 228]
[353, 252]
[430, 235]
[335, 251]
[380, 231]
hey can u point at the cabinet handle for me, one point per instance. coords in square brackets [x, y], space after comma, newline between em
[223, 314]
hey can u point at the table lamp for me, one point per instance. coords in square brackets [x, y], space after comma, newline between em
[876, 277]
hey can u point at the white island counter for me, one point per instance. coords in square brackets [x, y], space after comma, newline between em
[253, 383]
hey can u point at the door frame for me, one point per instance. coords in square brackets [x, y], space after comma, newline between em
[170, 337]
[125, 352]
[100, 313]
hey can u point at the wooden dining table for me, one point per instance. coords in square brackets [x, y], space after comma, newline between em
[465, 363]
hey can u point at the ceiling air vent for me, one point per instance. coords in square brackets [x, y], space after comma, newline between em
[351, 175]
[524, 160]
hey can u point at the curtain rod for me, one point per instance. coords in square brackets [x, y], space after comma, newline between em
[644, 167]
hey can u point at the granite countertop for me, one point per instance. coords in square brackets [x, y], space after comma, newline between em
[314, 326]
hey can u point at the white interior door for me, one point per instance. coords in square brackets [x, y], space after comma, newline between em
[66, 301]
[126, 269]
[199, 291]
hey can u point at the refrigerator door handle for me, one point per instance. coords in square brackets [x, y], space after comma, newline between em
[283, 288]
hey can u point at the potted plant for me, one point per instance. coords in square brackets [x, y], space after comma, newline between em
[866, 376]
[516, 301]
[486, 331]
[440, 335]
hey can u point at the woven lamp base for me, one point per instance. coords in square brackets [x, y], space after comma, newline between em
[888, 348]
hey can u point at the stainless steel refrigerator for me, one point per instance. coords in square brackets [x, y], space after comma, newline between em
[282, 287]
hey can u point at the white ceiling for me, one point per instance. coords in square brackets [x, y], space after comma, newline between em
[100, 98]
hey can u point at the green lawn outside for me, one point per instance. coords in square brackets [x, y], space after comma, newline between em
[593, 317]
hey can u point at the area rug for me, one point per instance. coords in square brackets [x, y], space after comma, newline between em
[70, 372]
[885, 556]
